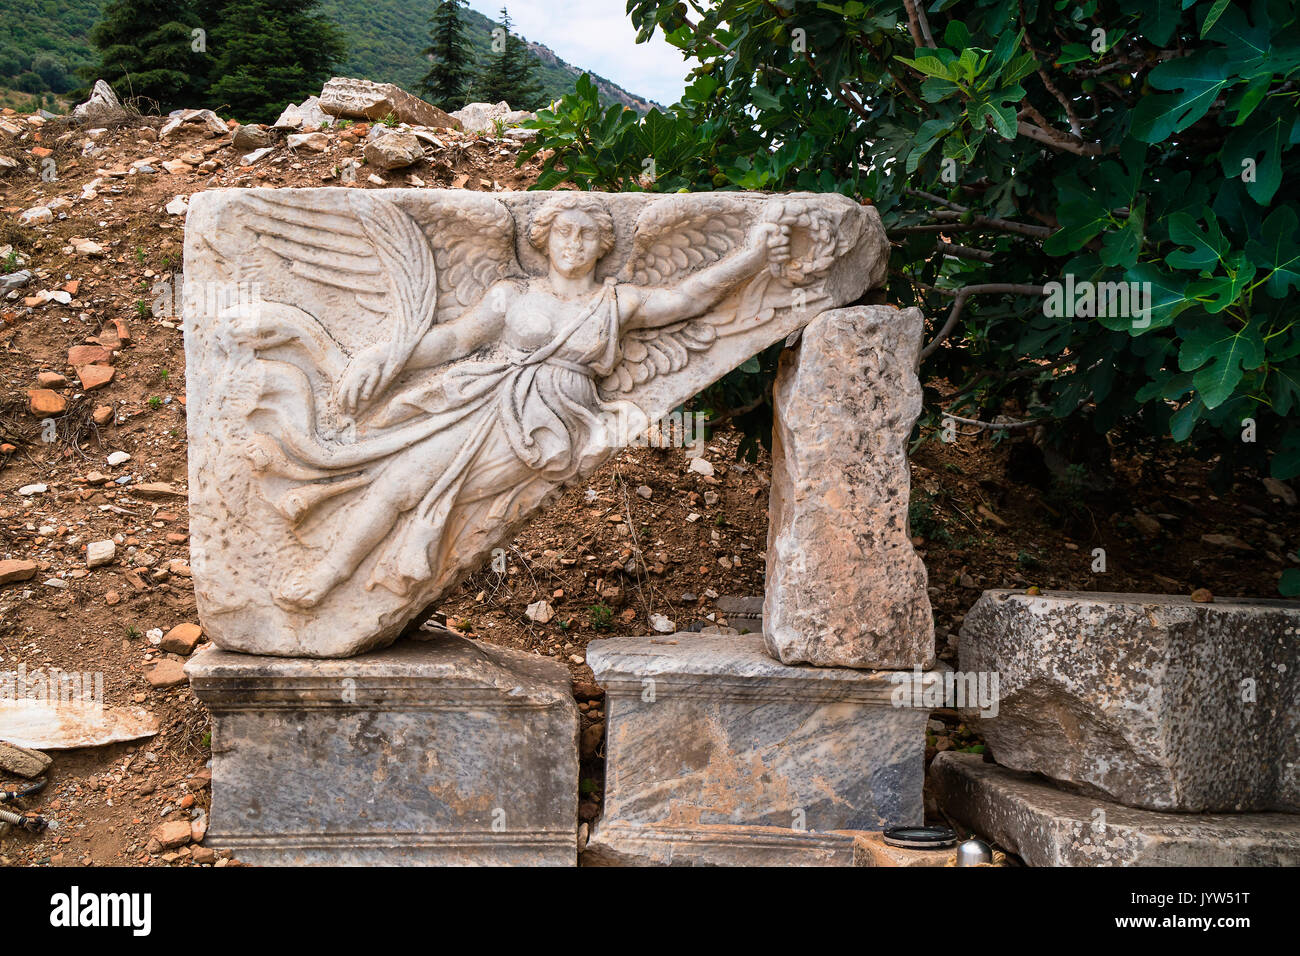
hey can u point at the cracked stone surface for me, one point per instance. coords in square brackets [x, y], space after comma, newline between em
[1151, 700]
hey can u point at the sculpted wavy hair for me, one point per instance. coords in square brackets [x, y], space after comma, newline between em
[539, 232]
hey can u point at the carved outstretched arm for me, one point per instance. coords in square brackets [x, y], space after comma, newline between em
[467, 334]
[695, 295]
[443, 343]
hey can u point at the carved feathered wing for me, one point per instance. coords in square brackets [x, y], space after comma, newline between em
[473, 241]
[673, 239]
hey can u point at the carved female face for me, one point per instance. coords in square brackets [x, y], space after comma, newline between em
[573, 245]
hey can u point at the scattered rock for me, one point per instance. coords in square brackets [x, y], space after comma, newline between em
[95, 376]
[102, 107]
[249, 137]
[156, 489]
[36, 214]
[177, 207]
[308, 114]
[701, 466]
[182, 639]
[663, 625]
[539, 611]
[42, 401]
[100, 553]
[36, 489]
[316, 142]
[166, 673]
[23, 761]
[484, 117]
[172, 834]
[1280, 489]
[205, 118]
[1229, 541]
[118, 457]
[16, 570]
[393, 151]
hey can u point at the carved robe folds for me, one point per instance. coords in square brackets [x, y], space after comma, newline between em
[384, 385]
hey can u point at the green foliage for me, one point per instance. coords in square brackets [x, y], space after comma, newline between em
[510, 72]
[145, 52]
[1093, 142]
[601, 616]
[447, 81]
[270, 52]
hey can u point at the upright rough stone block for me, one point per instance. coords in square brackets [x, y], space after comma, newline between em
[844, 586]
[447, 752]
[716, 753]
[1153, 700]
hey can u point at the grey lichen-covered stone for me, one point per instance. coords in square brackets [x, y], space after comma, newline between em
[1047, 826]
[1154, 701]
[844, 585]
[446, 751]
[384, 386]
[706, 735]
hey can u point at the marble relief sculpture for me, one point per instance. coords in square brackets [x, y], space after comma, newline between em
[384, 385]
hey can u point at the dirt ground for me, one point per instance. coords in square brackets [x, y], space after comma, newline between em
[645, 536]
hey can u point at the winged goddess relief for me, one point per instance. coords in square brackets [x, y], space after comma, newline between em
[471, 388]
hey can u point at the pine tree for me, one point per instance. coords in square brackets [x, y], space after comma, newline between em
[511, 74]
[268, 53]
[146, 50]
[447, 82]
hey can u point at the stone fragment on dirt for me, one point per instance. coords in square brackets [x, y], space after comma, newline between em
[23, 761]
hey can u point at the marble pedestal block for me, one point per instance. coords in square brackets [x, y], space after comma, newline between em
[1047, 826]
[715, 753]
[447, 752]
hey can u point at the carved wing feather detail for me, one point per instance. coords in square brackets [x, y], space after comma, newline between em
[473, 243]
[672, 240]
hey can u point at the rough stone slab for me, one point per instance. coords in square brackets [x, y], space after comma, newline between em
[706, 731]
[71, 724]
[448, 752]
[23, 761]
[844, 586]
[1047, 826]
[383, 386]
[1145, 699]
[717, 844]
[365, 99]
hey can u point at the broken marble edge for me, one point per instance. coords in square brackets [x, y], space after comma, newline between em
[740, 666]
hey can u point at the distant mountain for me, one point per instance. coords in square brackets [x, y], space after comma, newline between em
[386, 39]
[43, 43]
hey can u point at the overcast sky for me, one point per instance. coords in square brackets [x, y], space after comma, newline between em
[596, 35]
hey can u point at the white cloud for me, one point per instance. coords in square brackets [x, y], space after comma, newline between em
[597, 35]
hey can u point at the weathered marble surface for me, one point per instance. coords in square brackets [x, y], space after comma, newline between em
[1142, 698]
[844, 586]
[1046, 826]
[365, 99]
[447, 751]
[706, 733]
[382, 386]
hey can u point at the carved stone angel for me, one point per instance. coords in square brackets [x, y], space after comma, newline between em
[410, 390]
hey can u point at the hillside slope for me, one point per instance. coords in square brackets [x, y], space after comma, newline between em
[45, 43]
